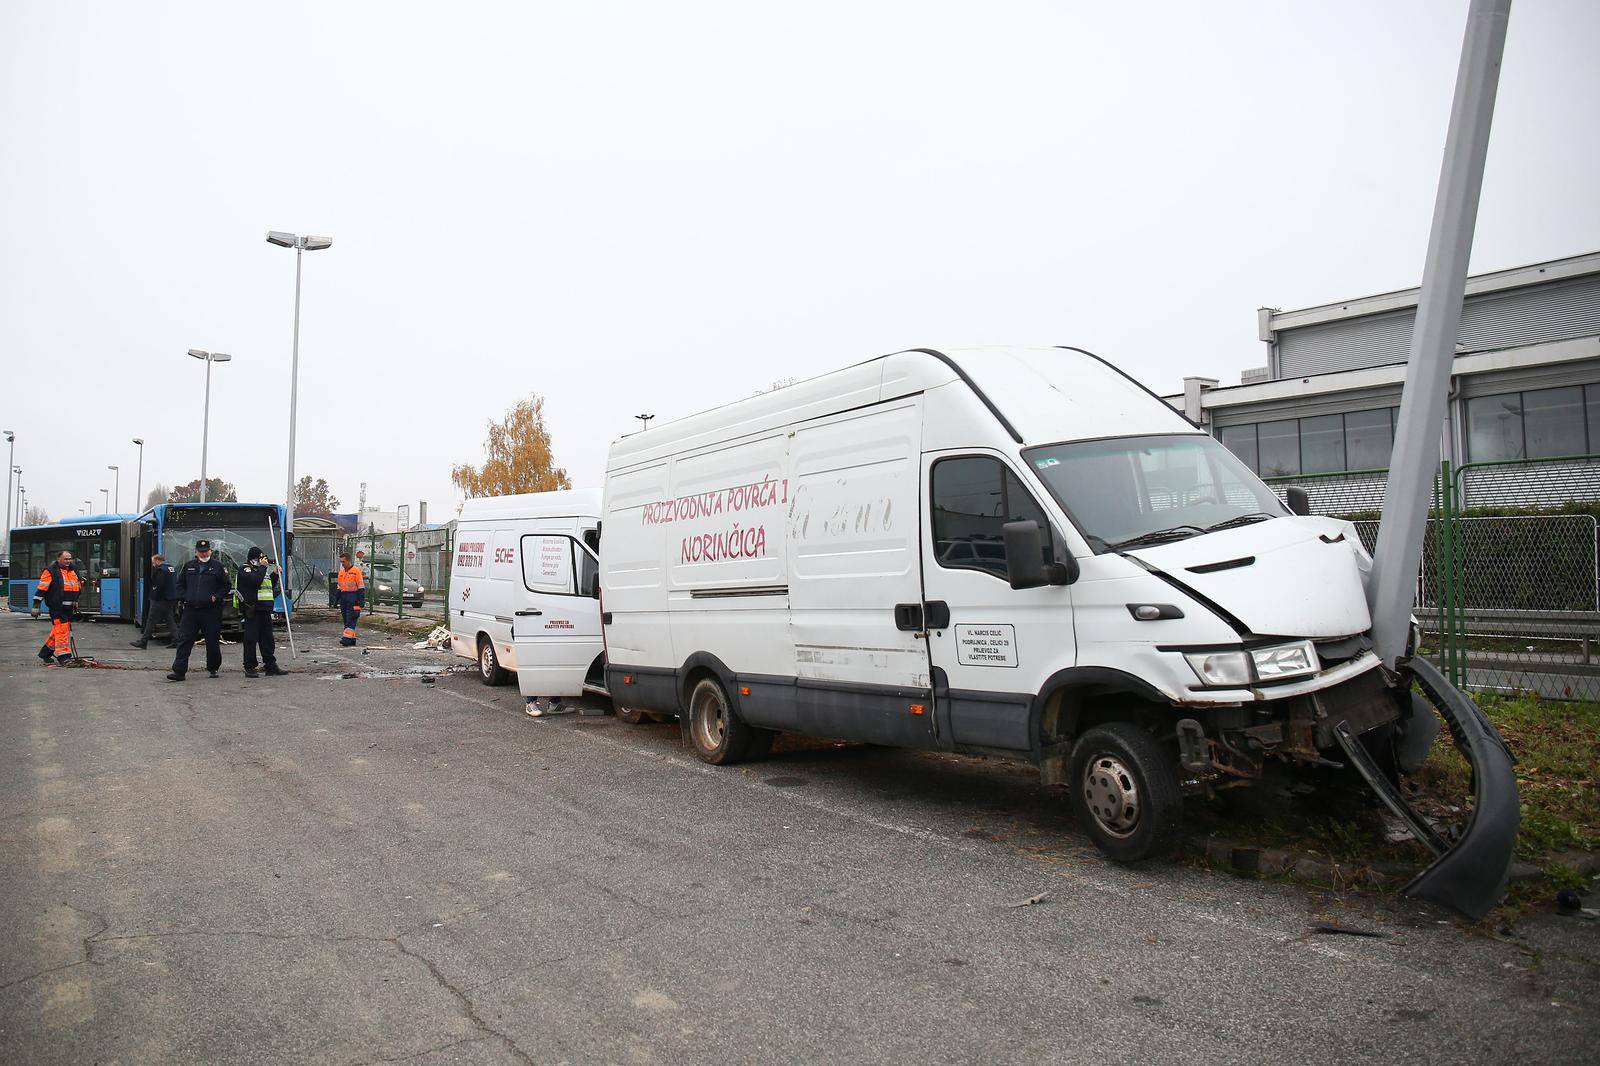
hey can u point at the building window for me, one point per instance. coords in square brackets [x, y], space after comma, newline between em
[1537, 424]
[1321, 444]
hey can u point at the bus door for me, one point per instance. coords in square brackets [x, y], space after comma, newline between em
[97, 564]
[143, 542]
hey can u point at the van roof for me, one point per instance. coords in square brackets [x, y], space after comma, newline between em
[561, 503]
[1039, 395]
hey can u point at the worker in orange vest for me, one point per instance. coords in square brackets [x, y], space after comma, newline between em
[59, 588]
[352, 597]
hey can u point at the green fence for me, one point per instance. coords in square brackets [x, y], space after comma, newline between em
[1509, 588]
[408, 573]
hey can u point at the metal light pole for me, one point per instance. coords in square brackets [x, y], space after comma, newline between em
[644, 421]
[11, 441]
[88, 505]
[301, 245]
[205, 425]
[105, 498]
[138, 481]
[116, 492]
[22, 505]
[1444, 278]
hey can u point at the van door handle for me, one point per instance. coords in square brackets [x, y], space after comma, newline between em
[908, 617]
[526, 614]
[937, 614]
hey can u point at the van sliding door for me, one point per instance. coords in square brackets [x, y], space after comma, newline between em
[855, 586]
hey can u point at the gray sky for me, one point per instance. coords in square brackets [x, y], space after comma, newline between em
[651, 207]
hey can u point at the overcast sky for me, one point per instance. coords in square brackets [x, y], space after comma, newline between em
[661, 207]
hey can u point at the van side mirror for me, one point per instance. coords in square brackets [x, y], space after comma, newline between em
[1299, 502]
[1025, 565]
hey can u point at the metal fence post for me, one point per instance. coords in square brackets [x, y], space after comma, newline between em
[400, 610]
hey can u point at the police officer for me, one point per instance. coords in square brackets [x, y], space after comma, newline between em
[163, 586]
[258, 589]
[352, 597]
[59, 588]
[203, 587]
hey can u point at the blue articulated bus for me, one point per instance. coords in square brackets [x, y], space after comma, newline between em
[113, 551]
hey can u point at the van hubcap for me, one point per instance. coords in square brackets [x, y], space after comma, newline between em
[486, 660]
[710, 718]
[1112, 795]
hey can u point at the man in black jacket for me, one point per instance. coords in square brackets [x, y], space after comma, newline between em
[258, 590]
[203, 587]
[162, 592]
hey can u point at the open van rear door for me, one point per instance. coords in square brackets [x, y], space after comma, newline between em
[555, 629]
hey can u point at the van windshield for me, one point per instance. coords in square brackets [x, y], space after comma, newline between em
[1133, 491]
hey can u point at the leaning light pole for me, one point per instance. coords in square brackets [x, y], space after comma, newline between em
[1415, 461]
[11, 443]
[205, 424]
[138, 481]
[301, 245]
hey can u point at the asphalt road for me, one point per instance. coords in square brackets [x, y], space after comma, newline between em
[316, 868]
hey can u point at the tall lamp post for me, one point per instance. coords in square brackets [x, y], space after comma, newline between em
[105, 498]
[301, 245]
[644, 421]
[116, 491]
[88, 505]
[138, 481]
[205, 424]
[11, 442]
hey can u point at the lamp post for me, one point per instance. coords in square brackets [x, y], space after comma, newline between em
[116, 491]
[88, 505]
[205, 424]
[138, 481]
[11, 441]
[105, 498]
[301, 245]
[644, 421]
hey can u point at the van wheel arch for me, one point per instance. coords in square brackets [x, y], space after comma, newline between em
[703, 664]
[1078, 699]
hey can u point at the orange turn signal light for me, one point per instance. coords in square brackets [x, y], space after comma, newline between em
[919, 708]
[627, 679]
[744, 690]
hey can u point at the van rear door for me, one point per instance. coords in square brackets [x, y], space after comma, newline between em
[556, 625]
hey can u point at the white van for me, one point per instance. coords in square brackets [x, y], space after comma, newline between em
[523, 591]
[1009, 551]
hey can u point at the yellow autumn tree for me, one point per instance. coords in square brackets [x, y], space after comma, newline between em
[517, 456]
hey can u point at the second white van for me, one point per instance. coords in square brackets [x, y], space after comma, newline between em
[524, 588]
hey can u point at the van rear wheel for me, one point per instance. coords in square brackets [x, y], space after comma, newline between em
[490, 672]
[718, 734]
[1125, 792]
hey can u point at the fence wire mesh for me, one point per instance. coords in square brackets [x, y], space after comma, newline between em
[1508, 594]
[407, 573]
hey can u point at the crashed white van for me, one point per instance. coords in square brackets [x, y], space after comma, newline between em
[523, 591]
[1019, 552]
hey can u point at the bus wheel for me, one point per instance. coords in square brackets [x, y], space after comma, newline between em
[489, 670]
[1125, 792]
[629, 715]
[718, 736]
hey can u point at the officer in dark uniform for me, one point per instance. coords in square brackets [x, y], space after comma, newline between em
[258, 589]
[203, 587]
[162, 592]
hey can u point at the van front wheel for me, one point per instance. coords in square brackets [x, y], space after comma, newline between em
[490, 672]
[1125, 792]
[718, 735]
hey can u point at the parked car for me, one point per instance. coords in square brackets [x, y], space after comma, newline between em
[385, 585]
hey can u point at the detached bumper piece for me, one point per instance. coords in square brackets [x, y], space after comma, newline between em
[1471, 877]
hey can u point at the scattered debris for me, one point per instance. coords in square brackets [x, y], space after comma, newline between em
[1568, 900]
[1335, 929]
[438, 640]
[1033, 901]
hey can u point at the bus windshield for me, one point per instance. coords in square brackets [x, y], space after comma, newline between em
[1135, 491]
[232, 531]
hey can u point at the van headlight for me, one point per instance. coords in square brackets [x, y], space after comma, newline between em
[1242, 667]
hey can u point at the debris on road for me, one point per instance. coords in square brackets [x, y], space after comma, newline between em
[1335, 929]
[1033, 901]
[438, 640]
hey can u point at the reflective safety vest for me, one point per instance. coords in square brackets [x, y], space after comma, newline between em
[264, 591]
[70, 585]
[351, 580]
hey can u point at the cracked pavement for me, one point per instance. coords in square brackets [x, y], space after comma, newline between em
[314, 869]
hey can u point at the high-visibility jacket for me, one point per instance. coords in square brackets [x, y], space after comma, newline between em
[352, 584]
[59, 587]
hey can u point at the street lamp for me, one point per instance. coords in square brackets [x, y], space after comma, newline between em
[117, 491]
[300, 245]
[105, 498]
[205, 425]
[138, 481]
[88, 505]
[644, 421]
[11, 441]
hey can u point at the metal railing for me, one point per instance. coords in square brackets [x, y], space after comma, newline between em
[406, 572]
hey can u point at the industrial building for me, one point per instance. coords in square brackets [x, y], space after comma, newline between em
[1525, 386]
